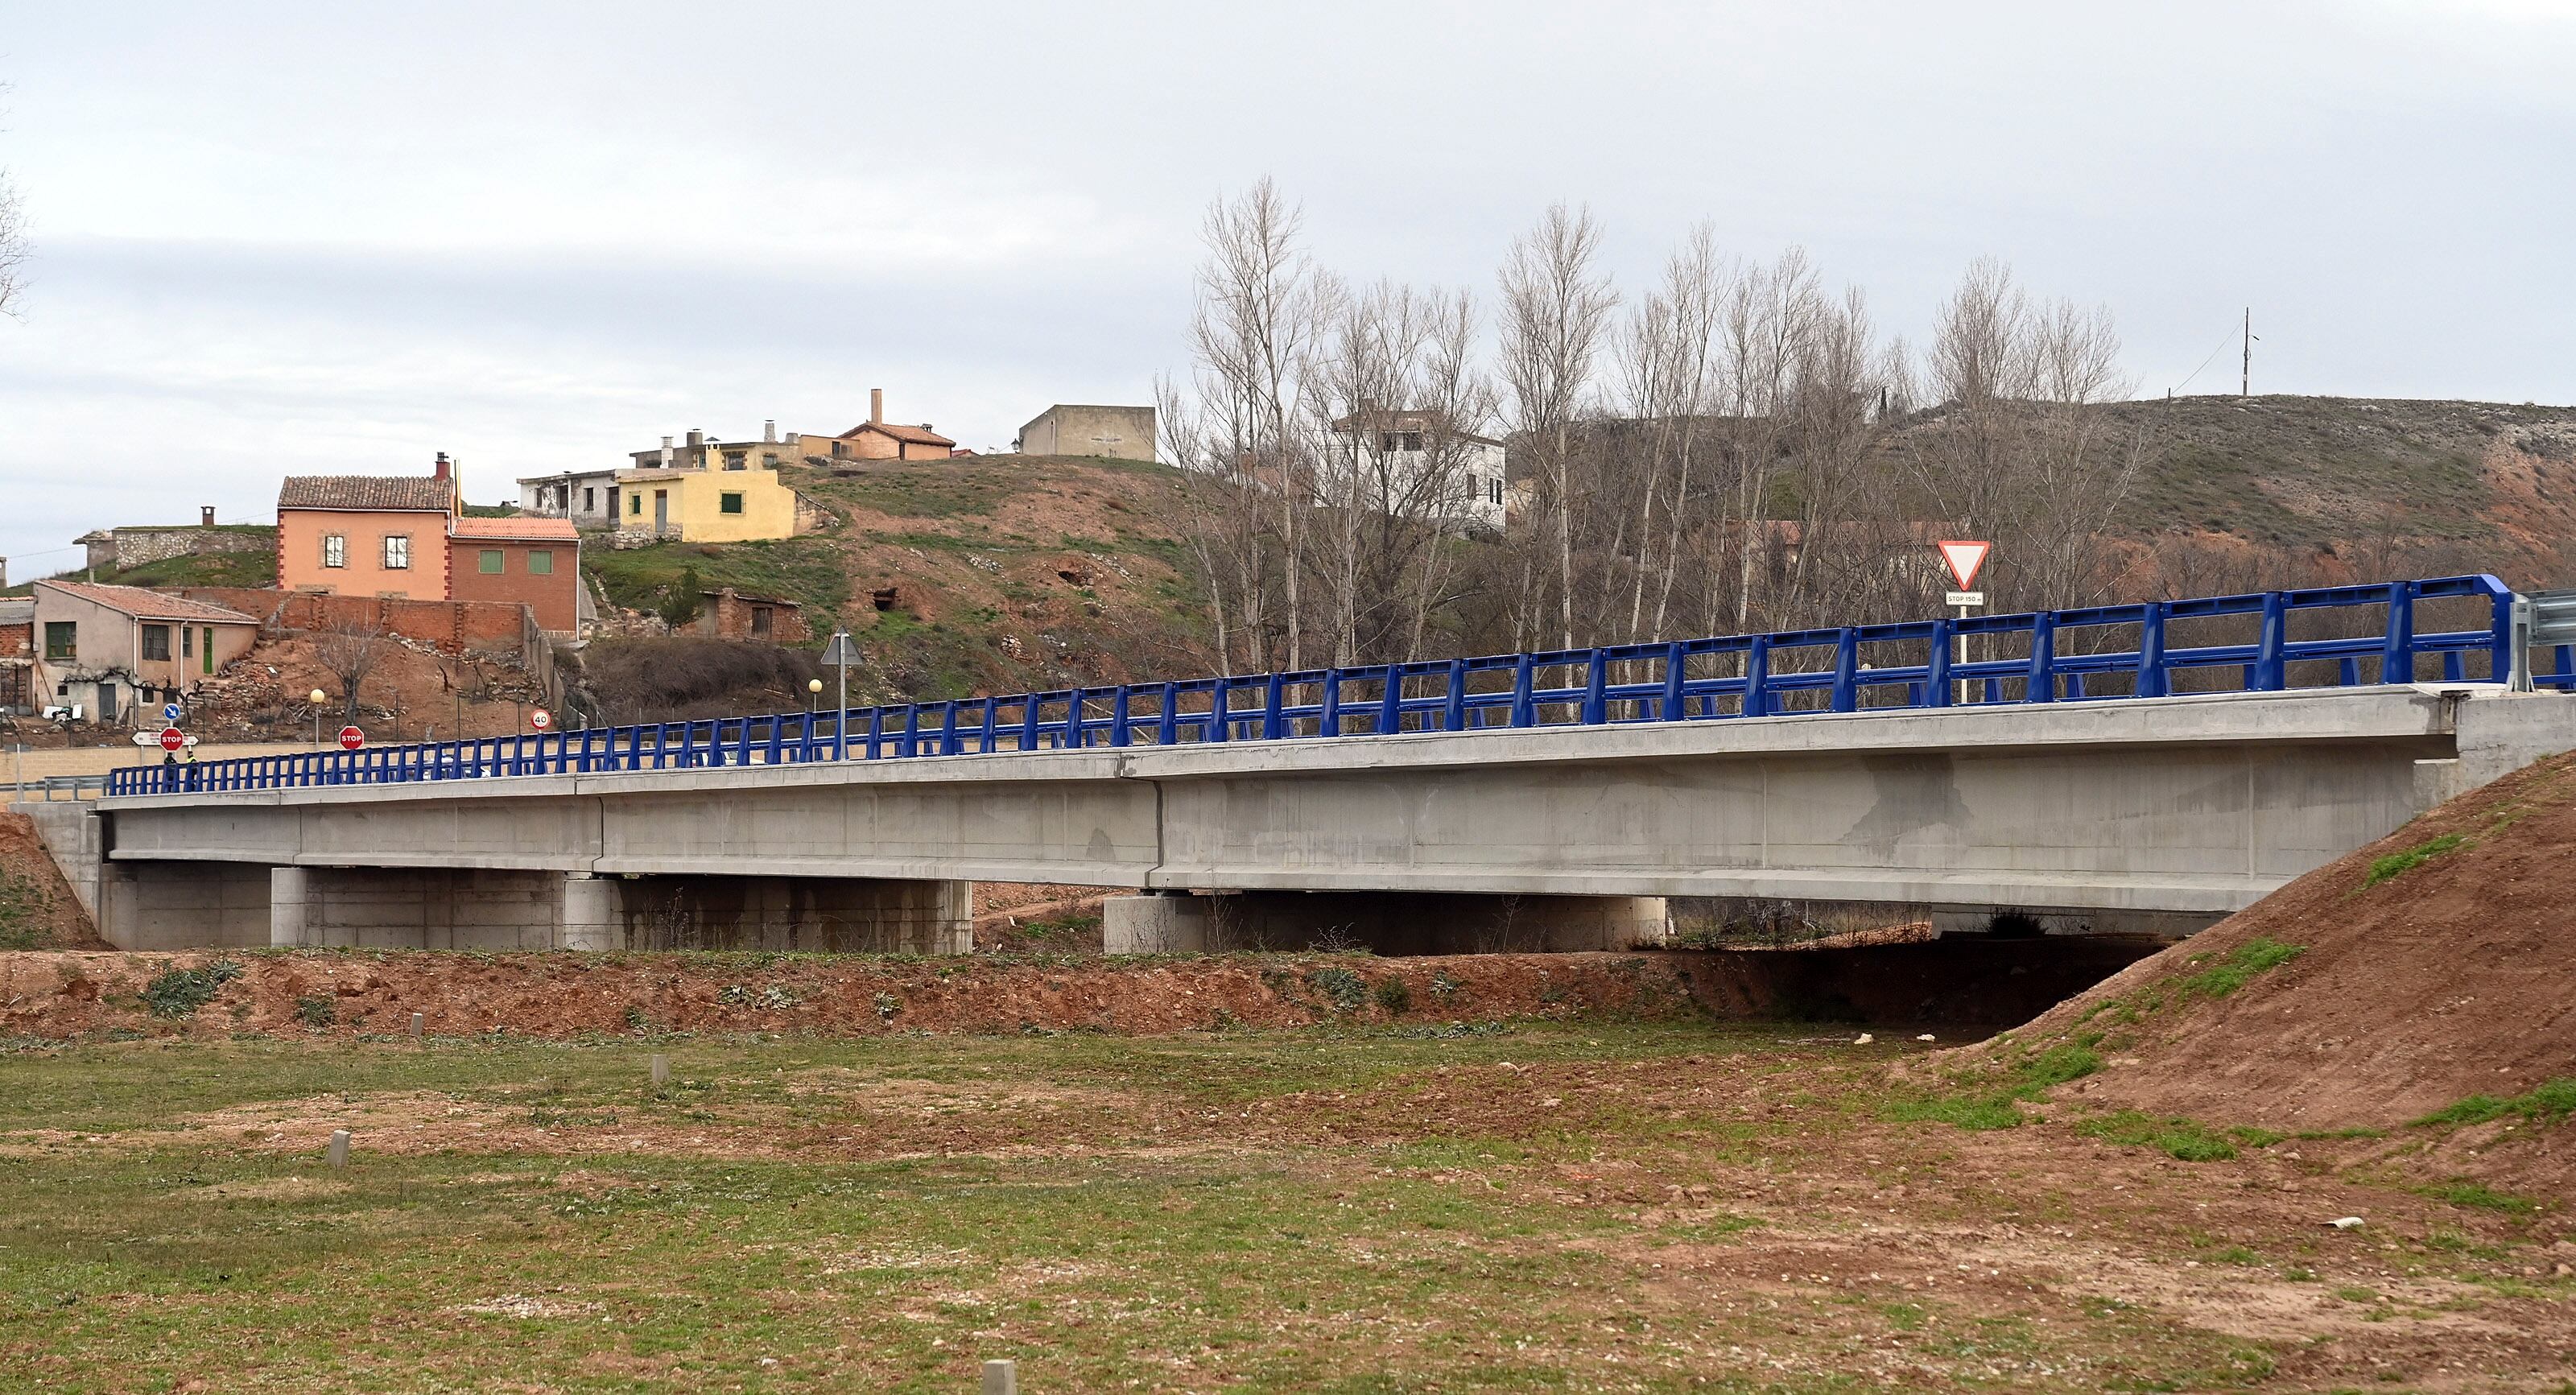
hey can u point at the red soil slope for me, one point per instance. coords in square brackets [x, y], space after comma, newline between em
[2432, 966]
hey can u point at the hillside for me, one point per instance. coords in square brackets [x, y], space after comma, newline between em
[257, 567]
[2339, 487]
[978, 574]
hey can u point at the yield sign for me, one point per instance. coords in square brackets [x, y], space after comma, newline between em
[1964, 559]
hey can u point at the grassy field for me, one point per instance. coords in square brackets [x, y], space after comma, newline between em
[1583, 1206]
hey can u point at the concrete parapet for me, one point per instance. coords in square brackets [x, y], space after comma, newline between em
[1384, 923]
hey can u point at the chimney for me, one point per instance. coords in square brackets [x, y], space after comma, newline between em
[876, 406]
[205, 515]
[769, 432]
[697, 439]
[666, 452]
[439, 471]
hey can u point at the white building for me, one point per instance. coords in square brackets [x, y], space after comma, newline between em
[1394, 451]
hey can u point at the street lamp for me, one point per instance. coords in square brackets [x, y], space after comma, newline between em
[317, 697]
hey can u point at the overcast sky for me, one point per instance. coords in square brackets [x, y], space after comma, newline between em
[297, 238]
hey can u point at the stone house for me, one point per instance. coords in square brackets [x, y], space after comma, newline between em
[17, 653]
[728, 614]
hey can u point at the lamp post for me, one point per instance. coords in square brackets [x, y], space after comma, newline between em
[317, 697]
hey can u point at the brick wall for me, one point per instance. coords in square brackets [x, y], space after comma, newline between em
[18, 641]
[492, 627]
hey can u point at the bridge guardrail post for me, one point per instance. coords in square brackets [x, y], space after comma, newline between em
[2271, 668]
[1274, 697]
[1846, 694]
[2042, 684]
[1596, 682]
[1331, 722]
[2154, 680]
[1216, 709]
[1524, 711]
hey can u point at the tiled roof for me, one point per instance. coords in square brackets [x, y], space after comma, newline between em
[148, 605]
[517, 529]
[920, 434]
[426, 493]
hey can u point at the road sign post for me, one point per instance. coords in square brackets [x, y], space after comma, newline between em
[1964, 559]
[841, 653]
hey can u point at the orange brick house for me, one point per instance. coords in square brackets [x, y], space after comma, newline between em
[879, 439]
[407, 537]
[534, 561]
[367, 535]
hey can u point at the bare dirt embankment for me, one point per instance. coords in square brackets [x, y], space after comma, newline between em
[37, 910]
[2433, 967]
[1969, 985]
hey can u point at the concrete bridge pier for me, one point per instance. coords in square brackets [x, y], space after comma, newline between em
[1381, 922]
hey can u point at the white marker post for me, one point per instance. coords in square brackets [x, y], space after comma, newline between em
[1964, 559]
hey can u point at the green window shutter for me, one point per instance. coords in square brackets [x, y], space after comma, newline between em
[541, 564]
[209, 648]
[490, 562]
[62, 639]
[729, 503]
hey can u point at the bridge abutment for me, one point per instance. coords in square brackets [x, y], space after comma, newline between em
[1382, 922]
[183, 905]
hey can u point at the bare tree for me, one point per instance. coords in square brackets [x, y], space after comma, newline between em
[349, 651]
[1556, 305]
[2026, 452]
[13, 246]
[1261, 303]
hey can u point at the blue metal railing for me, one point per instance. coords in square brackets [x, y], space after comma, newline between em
[2120, 651]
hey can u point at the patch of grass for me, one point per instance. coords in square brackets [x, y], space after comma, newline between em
[2548, 1104]
[2398, 864]
[180, 992]
[317, 1010]
[2256, 956]
[1393, 996]
[22, 903]
[2176, 1138]
[2478, 1195]
[1992, 1105]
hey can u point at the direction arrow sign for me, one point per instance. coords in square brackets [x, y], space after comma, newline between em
[172, 712]
[351, 738]
[1964, 558]
[172, 738]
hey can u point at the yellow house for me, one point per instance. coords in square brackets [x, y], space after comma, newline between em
[710, 506]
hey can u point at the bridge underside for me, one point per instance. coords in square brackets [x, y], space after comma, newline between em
[2172, 811]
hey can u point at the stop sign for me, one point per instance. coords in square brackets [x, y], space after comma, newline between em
[541, 719]
[351, 738]
[172, 738]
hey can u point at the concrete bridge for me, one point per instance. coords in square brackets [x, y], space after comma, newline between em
[2165, 813]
